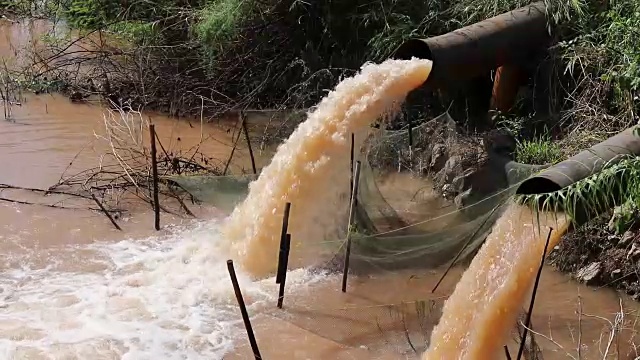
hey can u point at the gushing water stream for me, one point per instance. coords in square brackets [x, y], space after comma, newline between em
[479, 315]
[311, 168]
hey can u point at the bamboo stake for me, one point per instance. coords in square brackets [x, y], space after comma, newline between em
[243, 310]
[246, 136]
[533, 297]
[154, 166]
[354, 196]
[283, 280]
[233, 149]
[283, 240]
[353, 138]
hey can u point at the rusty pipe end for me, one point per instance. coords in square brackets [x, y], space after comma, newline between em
[413, 48]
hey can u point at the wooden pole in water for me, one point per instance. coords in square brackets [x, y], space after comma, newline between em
[354, 196]
[506, 352]
[353, 144]
[243, 310]
[533, 297]
[287, 248]
[283, 240]
[154, 167]
[233, 149]
[246, 136]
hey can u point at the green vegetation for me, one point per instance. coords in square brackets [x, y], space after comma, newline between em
[538, 151]
[283, 53]
[15, 5]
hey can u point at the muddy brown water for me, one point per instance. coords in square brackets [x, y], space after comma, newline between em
[48, 132]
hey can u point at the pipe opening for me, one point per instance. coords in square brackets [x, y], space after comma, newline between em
[413, 48]
[537, 185]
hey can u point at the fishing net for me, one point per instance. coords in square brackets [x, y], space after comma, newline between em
[419, 200]
[426, 196]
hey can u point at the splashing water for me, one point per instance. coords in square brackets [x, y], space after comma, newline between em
[311, 168]
[158, 298]
[478, 316]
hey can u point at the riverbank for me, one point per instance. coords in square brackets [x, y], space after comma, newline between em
[600, 258]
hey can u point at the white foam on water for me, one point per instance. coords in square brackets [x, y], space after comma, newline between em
[164, 297]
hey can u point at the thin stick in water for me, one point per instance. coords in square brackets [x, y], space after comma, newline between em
[154, 167]
[533, 297]
[287, 248]
[506, 352]
[243, 310]
[106, 212]
[233, 150]
[246, 136]
[283, 239]
[410, 136]
[353, 138]
[354, 196]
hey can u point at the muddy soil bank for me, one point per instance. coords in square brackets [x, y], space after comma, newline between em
[595, 255]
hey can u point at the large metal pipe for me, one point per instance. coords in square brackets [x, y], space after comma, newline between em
[512, 37]
[581, 166]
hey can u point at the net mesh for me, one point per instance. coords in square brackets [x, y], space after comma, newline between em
[426, 195]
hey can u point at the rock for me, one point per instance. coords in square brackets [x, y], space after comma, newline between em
[451, 169]
[464, 182]
[500, 142]
[438, 157]
[633, 252]
[446, 191]
[590, 272]
[458, 183]
[626, 238]
[463, 199]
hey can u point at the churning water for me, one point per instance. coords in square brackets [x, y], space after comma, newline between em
[169, 297]
[311, 169]
[160, 298]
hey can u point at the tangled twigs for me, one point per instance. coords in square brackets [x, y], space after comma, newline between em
[124, 172]
[43, 191]
[57, 204]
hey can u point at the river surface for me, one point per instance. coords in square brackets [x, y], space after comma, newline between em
[73, 287]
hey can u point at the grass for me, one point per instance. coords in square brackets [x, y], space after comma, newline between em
[539, 151]
[219, 22]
